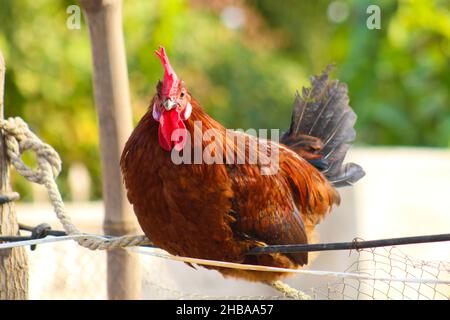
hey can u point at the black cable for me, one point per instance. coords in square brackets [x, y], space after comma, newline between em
[9, 197]
[14, 238]
[38, 232]
[42, 230]
[354, 245]
[50, 232]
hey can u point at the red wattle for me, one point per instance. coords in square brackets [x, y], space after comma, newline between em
[168, 123]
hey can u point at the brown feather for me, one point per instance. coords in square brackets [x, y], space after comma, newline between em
[221, 211]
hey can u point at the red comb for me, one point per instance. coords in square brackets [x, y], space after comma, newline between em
[170, 77]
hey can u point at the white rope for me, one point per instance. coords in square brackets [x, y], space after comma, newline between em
[288, 291]
[19, 138]
[159, 253]
[156, 252]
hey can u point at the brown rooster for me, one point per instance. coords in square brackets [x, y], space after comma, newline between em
[219, 210]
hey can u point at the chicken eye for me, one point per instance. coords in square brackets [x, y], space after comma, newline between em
[182, 95]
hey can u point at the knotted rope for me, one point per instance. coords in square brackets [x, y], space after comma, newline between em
[288, 291]
[19, 138]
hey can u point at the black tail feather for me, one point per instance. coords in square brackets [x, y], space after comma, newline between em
[323, 112]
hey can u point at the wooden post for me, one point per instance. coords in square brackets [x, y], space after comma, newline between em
[112, 101]
[13, 262]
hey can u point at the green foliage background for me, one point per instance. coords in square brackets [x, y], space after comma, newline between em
[398, 76]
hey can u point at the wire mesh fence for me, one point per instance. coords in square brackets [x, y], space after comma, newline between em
[411, 278]
[68, 271]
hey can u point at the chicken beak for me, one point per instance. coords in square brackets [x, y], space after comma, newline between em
[169, 104]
